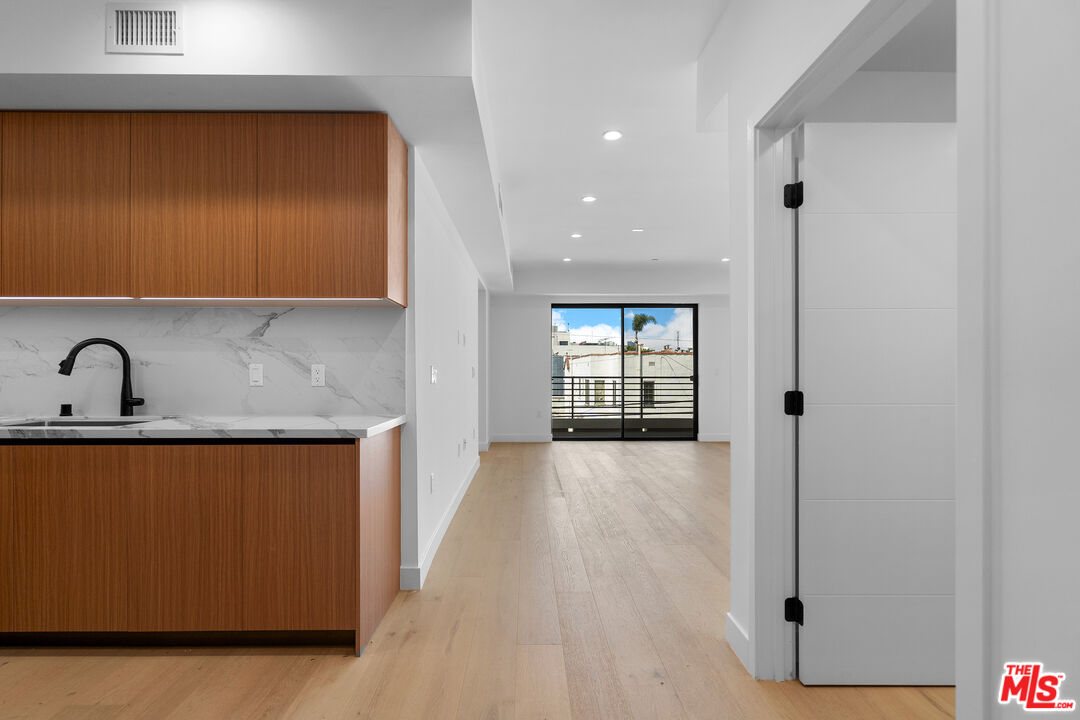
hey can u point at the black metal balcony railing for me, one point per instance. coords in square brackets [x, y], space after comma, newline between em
[598, 405]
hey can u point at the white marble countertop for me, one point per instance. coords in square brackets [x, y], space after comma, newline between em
[189, 427]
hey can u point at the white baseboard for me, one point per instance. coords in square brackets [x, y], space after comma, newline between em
[412, 578]
[484, 447]
[714, 437]
[738, 640]
[524, 438]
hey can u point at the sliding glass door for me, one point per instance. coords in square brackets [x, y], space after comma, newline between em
[623, 372]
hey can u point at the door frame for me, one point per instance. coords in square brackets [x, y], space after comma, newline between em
[622, 366]
[772, 652]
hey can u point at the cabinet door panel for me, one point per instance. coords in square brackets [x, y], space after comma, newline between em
[70, 535]
[7, 542]
[64, 205]
[299, 536]
[378, 536]
[397, 204]
[322, 205]
[193, 204]
[185, 547]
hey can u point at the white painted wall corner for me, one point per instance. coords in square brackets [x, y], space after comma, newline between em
[738, 640]
[412, 578]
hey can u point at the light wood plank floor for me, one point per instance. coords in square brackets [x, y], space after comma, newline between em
[578, 580]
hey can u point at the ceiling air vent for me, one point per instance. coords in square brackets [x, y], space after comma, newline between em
[144, 28]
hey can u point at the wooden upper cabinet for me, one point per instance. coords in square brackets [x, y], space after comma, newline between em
[332, 206]
[64, 204]
[203, 205]
[193, 204]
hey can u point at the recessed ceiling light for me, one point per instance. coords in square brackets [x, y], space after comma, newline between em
[612, 135]
[654, 259]
[567, 260]
[588, 199]
[575, 235]
[725, 259]
[638, 230]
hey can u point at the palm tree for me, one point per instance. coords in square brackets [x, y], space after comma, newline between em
[640, 321]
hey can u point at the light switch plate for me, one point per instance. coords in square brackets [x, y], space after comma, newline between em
[434, 375]
[318, 376]
[255, 375]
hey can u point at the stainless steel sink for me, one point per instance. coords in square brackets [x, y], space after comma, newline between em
[82, 422]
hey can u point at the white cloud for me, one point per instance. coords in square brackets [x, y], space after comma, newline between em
[679, 331]
[594, 334]
[681, 326]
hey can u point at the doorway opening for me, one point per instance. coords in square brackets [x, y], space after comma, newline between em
[624, 372]
[862, 256]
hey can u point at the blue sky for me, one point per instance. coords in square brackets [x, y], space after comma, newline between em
[598, 324]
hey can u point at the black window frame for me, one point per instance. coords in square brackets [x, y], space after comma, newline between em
[622, 366]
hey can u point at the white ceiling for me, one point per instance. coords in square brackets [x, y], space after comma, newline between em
[551, 78]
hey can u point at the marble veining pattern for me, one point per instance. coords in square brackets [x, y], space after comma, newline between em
[194, 361]
[211, 428]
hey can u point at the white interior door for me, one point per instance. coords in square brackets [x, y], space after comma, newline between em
[877, 311]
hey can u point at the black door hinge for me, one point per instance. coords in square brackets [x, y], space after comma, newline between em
[793, 195]
[793, 402]
[793, 610]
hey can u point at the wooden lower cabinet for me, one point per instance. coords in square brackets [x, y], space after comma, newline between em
[189, 537]
[71, 529]
[299, 529]
[7, 540]
[185, 549]
[378, 536]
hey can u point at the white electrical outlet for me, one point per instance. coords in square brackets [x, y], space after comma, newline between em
[255, 375]
[434, 375]
[318, 376]
[431, 483]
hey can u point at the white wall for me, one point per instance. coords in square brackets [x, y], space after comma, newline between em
[891, 96]
[441, 435]
[759, 49]
[520, 353]
[249, 37]
[520, 349]
[610, 278]
[483, 370]
[1019, 346]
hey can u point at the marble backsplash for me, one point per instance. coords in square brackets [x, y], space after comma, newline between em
[194, 361]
